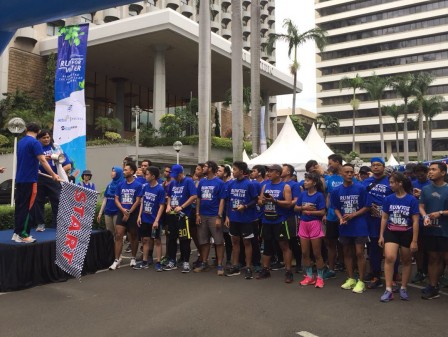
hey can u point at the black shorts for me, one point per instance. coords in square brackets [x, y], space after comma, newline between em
[353, 240]
[332, 230]
[293, 227]
[437, 244]
[178, 226]
[242, 229]
[131, 223]
[403, 239]
[278, 231]
[145, 231]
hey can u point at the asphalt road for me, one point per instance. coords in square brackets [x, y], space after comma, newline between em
[140, 303]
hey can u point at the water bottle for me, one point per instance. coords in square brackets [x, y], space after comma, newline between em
[154, 233]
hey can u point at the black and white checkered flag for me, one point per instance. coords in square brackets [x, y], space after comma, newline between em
[74, 226]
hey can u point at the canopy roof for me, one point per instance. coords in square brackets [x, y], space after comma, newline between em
[316, 143]
[288, 148]
[392, 161]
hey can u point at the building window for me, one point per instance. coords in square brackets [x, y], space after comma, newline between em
[52, 29]
[86, 18]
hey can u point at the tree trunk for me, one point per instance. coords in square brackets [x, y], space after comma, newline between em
[428, 138]
[255, 50]
[354, 130]
[421, 139]
[204, 81]
[405, 133]
[294, 94]
[381, 130]
[397, 142]
[237, 81]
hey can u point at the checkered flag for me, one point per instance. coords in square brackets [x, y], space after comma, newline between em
[74, 226]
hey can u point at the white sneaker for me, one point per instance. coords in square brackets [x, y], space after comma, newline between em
[40, 228]
[185, 267]
[115, 265]
[14, 237]
[28, 239]
[133, 262]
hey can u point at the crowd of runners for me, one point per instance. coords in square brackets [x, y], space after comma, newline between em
[263, 219]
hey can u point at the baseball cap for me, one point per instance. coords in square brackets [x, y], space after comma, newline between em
[176, 170]
[365, 169]
[274, 167]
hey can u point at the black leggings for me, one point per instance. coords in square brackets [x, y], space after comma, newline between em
[174, 223]
[185, 249]
[228, 245]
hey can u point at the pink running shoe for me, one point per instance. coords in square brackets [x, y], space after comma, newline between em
[307, 281]
[319, 283]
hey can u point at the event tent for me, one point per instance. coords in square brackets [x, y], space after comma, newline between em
[245, 156]
[289, 148]
[317, 144]
[392, 161]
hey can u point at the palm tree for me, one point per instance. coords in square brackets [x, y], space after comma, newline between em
[204, 81]
[375, 86]
[294, 39]
[431, 107]
[237, 81]
[255, 41]
[395, 111]
[328, 123]
[355, 84]
[405, 87]
[423, 81]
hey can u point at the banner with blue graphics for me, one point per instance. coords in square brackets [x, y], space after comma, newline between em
[69, 129]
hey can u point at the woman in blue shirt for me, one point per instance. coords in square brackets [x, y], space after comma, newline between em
[108, 206]
[399, 229]
[311, 204]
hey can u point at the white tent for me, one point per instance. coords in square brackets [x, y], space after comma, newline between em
[245, 156]
[288, 148]
[392, 161]
[316, 143]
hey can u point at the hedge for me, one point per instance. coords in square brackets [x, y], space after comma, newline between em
[7, 217]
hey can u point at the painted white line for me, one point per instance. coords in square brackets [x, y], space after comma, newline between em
[306, 334]
[420, 287]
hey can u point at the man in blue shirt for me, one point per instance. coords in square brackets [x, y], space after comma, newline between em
[29, 155]
[182, 193]
[433, 208]
[209, 214]
[151, 209]
[349, 201]
[127, 200]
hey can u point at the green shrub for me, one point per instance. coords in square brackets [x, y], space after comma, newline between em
[112, 136]
[4, 140]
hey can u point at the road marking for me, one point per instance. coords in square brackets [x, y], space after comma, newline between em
[306, 334]
[420, 287]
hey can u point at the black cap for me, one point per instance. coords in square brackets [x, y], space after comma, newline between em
[365, 169]
[86, 173]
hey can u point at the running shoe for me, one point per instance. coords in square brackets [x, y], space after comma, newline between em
[115, 265]
[375, 283]
[185, 267]
[25, 239]
[264, 274]
[328, 274]
[369, 277]
[360, 287]
[141, 265]
[150, 261]
[258, 269]
[404, 294]
[418, 277]
[202, 267]
[170, 266]
[40, 227]
[248, 275]
[164, 260]
[128, 248]
[350, 283]
[431, 293]
[220, 270]
[133, 262]
[319, 283]
[158, 267]
[233, 271]
[307, 281]
[426, 289]
[289, 277]
[277, 266]
[395, 287]
[15, 237]
[387, 296]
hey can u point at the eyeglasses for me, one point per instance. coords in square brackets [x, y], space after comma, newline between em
[167, 171]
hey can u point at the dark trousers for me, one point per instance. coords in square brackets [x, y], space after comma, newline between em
[175, 225]
[25, 195]
[47, 187]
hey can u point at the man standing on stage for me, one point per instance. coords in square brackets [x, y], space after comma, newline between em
[29, 155]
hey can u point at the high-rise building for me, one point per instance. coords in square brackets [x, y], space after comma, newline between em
[388, 37]
[142, 47]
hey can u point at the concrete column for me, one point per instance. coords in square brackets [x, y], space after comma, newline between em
[274, 122]
[388, 150]
[119, 98]
[267, 117]
[159, 89]
[4, 62]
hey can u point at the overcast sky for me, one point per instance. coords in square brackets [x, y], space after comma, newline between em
[301, 12]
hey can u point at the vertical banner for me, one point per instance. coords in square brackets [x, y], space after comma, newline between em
[69, 129]
[75, 217]
[263, 143]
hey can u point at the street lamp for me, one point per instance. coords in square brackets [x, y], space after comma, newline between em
[177, 146]
[136, 111]
[16, 126]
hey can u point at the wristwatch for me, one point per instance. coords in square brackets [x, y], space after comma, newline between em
[441, 213]
[220, 216]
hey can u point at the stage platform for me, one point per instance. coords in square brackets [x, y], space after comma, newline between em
[25, 265]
